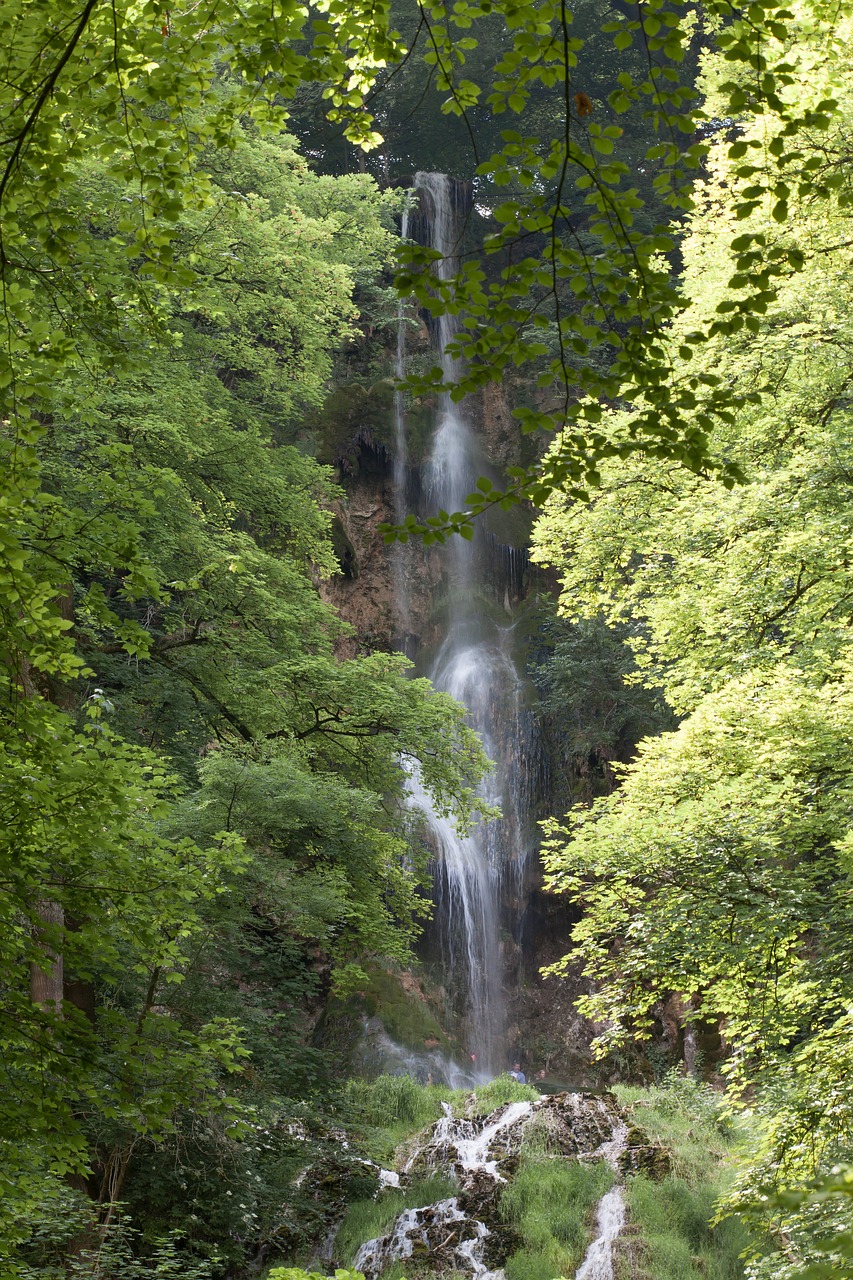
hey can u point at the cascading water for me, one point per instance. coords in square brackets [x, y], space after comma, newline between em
[472, 664]
[610, 1219]
[610, 1214]
[401, 462]
[401, 445]
[464, 1234]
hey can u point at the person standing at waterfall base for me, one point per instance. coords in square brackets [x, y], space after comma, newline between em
[518, 1074]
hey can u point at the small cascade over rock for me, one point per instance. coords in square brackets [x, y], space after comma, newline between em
[442, 1230]
[610, 1215]
[465, 1232]
[469, 1149]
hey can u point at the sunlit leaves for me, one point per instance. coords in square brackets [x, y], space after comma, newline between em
[620, 296]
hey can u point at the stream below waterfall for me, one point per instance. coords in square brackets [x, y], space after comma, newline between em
[466, 1232]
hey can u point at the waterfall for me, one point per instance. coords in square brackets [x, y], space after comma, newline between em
[401, 457]
[401, 556]
[474, 664]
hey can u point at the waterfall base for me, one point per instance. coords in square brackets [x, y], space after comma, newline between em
[467, 1233]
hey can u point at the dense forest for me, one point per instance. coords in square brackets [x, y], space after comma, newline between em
[426, 717]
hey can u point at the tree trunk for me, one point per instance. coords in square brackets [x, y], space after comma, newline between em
[46, 986]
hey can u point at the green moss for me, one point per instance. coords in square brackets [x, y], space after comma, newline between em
[353, 412]
[408, 1018]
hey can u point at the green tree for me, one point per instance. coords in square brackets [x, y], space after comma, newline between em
[176, 540]
[720, 869]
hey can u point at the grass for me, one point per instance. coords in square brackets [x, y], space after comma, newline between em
[674, 1240]
[498, 1091]
[671, 1236]
[396, 1100]
[689, 1119]
[550, 1203]
[390, 1109]
[367, 1219]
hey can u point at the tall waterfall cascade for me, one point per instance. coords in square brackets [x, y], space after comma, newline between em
[400, 554]
[473, 663]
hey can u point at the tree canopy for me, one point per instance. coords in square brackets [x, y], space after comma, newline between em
[203, 802]
[720, 868]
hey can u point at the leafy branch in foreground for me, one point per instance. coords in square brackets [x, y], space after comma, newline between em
[578, 276]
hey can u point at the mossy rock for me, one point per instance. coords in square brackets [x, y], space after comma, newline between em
[405, 1011]
[643, 1155]
[335, 1183]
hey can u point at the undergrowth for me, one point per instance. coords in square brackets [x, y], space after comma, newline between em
[674, 1240]
[688, 1118]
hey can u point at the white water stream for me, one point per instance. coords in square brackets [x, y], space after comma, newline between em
[472, 1150]
[610, 1218]
[441, 1226]
[467, 1148]
[610, 1215]
[473, 1153]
